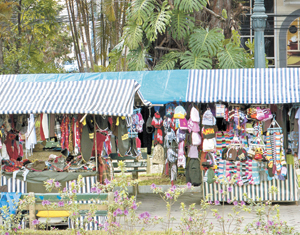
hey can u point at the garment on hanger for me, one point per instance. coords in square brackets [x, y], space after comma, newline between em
[31, 134]
[45, 125]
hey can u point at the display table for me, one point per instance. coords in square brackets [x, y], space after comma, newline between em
[287, 190]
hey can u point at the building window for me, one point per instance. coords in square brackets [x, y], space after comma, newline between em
[293, 44]
[247, 31]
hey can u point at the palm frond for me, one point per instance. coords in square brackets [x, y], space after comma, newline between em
[133, 35]
[158, 21]
[136, 59]
[141, 10]
[231, 56]
[168, 61]
[191, 60]
[190, 5]
[206, 40]
[181, 24]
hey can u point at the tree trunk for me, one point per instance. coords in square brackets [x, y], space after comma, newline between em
[72, 10]
[82, 37]
[217, 6]
[73, 36]
[94, 33]
[85, 17]
[1, 54]
[18, 45]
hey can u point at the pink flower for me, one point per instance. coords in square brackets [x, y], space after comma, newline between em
[134, 207]
[106, 181]
[168, 195]
[115, 214]
[64, 190]
[89, 219]
[189, 185]
[57, 184]
[61, 203]
[35, 222]
[98, 190]
[116, 193]
[190, 219]
[221, 191]
[19, 227]
[93, 189]
[45, 202]
[235, 203]
[229, 189]
[7, 233]
[119, 211]
[228, 201]
[217, 202]
[126, 212]
[258, 223]
[153, 186]
[78, 233]
[50, 181]
[243, 203]
[74, 191]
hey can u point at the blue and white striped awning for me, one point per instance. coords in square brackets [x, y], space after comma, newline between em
[102, 97]
[255, 86]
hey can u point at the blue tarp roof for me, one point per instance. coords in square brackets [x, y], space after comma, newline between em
[158, 87]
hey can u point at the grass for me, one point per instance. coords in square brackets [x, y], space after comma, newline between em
[157, 178]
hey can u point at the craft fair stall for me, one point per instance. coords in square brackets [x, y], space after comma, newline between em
[185, 141]
[250, 130]
[83, 117]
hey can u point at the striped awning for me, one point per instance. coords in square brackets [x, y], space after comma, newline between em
[102, 97]
[256, 86]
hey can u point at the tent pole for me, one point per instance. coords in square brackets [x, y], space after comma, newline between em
[95, 137]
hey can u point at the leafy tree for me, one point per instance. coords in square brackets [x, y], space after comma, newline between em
[177, 34]
[34, 40]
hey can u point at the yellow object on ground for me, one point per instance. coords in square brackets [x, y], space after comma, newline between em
[53, 214]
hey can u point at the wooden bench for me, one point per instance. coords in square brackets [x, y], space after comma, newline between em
[55, 197]
[136, 166]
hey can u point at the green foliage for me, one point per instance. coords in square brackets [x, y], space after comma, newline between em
[181, 24]
[231, 57]
[159, 21]
[168, 61]
[133, 35]
[163, 36]
[196, 61]
[136, 59]
[190, 5]
[141, 10]
[39, 43]
[206, 40]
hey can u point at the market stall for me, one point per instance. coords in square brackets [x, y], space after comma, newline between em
[78, 115]
[261, 108]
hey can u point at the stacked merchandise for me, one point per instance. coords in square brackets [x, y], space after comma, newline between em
[246, 144]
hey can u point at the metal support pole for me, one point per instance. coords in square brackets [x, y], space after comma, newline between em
[95, 138]
[259, 18]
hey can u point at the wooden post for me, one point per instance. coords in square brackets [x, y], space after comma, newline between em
[149, 164]
[31, 213]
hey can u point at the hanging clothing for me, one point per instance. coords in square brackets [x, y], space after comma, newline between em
[157, 122]
[52, 125]
[39, 127]
[30, 134]
[45, 125]
[297, 116]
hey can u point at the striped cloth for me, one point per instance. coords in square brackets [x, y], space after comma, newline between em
[102, 97]
[266, 86]
[287, 189]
